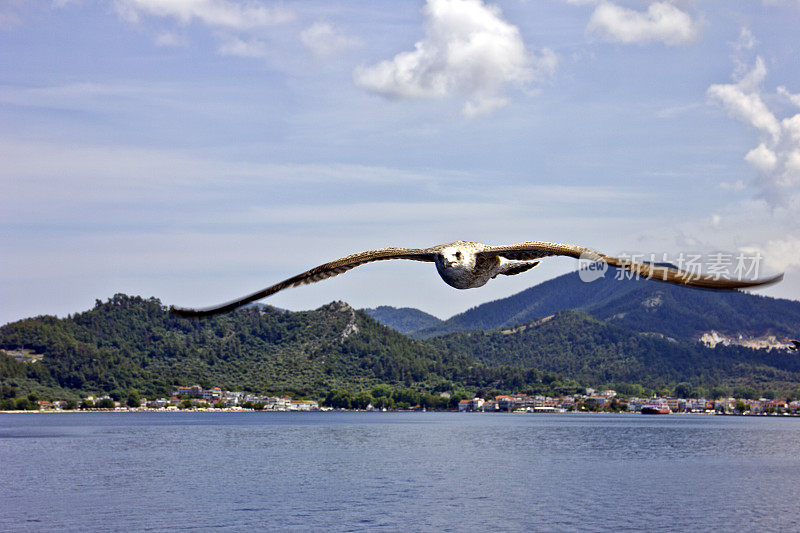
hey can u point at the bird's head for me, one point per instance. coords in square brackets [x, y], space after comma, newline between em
[453, 257]
[456, 264]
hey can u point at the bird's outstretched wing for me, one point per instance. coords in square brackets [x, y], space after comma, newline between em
[537, 249]
[328, 270]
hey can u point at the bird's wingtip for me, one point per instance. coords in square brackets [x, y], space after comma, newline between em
[766, 282]
[183, 312]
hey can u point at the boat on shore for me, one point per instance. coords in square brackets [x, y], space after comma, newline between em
[656, 406]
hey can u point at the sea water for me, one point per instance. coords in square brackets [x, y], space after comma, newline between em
[346, 471]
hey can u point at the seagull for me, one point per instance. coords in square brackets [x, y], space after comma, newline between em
[467, 265]
[795, 345]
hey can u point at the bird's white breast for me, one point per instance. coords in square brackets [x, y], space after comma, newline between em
[459, 267]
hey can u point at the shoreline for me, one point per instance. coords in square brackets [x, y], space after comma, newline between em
[198, 411]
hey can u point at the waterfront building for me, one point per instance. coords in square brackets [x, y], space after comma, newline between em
[696, 405]
[504, 403]
[673, 403]
[233, 399]
[194, 390]
[524, 402]
[476, 404]
[598, 401]
[211, 395]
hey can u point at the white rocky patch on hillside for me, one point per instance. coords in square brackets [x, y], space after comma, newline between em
[764, 342]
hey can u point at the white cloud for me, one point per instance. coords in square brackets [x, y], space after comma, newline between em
[743, 101]
[746, 40]
[752, 80]
[662, 22]
[222, 14]
[325, 41]
[779, 254]
[235, 46]
[168, 38]
[736, 186]
[741, 47]
[762, 158]
[793, 98]
[31, 164]
[236, 25]
[79, 95]
[483, 106]
[754, 228]
[767, 225]
[469, 50]
[673, 111]
[777, 157]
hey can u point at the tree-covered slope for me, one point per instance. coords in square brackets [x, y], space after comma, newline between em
[402, 319]
[592, 351]
[640, 305]
[130, 342]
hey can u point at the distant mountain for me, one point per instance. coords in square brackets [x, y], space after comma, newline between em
[639, 305]
[402, 319]
[260, 305]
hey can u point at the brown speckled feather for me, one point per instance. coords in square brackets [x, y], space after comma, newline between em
[466, 265]
[325, 271]
[538, 249]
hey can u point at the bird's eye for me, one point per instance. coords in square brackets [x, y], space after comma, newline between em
[458, 255]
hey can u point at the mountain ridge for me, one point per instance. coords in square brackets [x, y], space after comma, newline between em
[639, 305]
[133, 343]
[402, 319]
[575, 344]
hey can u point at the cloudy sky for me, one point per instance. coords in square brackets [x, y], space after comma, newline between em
[198, 150]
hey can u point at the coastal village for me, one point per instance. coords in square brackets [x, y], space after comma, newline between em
[197, 398]
[608, 401]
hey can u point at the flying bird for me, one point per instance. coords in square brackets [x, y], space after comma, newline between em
[467, 265]
[795, 345]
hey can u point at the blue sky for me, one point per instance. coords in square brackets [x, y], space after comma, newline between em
[199, 150]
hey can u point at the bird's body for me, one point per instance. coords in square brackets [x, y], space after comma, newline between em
[467, 265]
[461, 265]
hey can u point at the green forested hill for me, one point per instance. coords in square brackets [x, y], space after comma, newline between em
[131, 343]
[589, 350]
[402, 319]
[639, 305]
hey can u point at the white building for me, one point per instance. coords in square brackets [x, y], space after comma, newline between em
[696, 404]
[212, 395]
[476, 404]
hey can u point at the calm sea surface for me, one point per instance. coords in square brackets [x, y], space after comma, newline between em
[397, 471]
